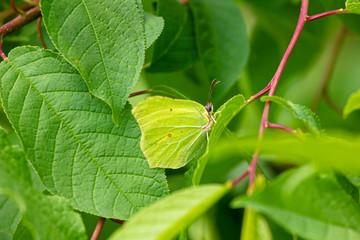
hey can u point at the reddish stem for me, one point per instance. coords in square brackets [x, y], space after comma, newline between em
[3, 56]
[8, 13]
[18, 22]
[274, 83]
[38, 25]
[279, 126]
[98, 228]
[117, 221]
[259, 94]
[139, 93]
[325, 14]
[240, 178]
[13, 6]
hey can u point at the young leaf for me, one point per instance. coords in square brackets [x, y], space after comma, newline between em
[71, 139]
[176, 47]
[222, 117]
[9, 214]
[40, 213]
[352, 104]
[221, 39]
[153, 28]
[309, 204]
[105, 42]
[301, 112]
[353, 6]
[167, 217]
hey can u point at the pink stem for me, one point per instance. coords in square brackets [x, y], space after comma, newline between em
[38, 25]
[13, 5]
[279, 126]
[117, 221]
[98, 228]
[240, 178]
[259, 94]
[325, 14]
[274, 83]
[138, 93]
[2, 54]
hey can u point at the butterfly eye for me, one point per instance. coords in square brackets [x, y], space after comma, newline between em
[209, 107]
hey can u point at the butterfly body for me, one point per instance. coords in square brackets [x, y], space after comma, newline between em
[174, 131]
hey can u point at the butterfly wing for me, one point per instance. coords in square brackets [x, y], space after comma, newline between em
[172, 130]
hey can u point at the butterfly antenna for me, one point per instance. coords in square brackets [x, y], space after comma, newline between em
[212, 86]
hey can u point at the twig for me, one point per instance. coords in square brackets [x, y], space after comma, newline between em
[332, 104]
[3, 56]
[139, 93]
[259, 94]
[274, 83]
[240, 178]
[8, 13]
[13, 6]
[329, 69]
[98, 228]
[117, 221]
[18, 22]
[325, 14]
[38, 25]
[279, 126]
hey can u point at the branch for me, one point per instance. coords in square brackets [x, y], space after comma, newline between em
[38, 25]
[325, 14]
[274, 83]
[8, 13]
[98, 228]
[18, 11]
[19, 22]
[279, 126]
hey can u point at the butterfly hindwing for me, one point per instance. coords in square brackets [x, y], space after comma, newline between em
[172, 130]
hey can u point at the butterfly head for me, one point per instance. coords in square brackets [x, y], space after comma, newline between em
[209, 107]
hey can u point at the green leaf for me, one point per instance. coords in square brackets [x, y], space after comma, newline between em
[9, 214]
[221, 39]
[174, 131]
[40, 213]
[167, 217]
[353, 6]
[71, 139]
[222, 117]
[309, 204]
[153, 28]
[301, 112]
[176, 47]
[22, 233]
[324, 151]
[107, 47]
[352, 104]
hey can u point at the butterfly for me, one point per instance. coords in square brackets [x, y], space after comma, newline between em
[174, 131]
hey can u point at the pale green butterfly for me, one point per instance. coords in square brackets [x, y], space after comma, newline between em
[174, 131]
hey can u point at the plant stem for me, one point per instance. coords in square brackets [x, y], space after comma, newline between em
[330, 66]
[2, 54]
[139, 93]
[279, 126]
[8, 13]
[117, 221]
[18, 22]
[240, 178]
[325, 14]
[259, 94]
[38, 25]
[98, 228]
[274, 83]
[13, 6]
[332, 104]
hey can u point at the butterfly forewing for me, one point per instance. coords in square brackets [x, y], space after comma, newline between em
[172, 130]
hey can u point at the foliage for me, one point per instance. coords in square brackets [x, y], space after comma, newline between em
[76, 124]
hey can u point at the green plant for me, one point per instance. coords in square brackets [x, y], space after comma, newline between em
[70, 152]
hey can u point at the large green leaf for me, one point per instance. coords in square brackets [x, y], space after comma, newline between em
[176, 48]
[47, 217]
[221, 39]
[222, 117]
[352, 104]
[310, 204]
[301, 112]
[167, 217]
[105, 42]
[71, 139]
[353, 6]
[9, 214]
